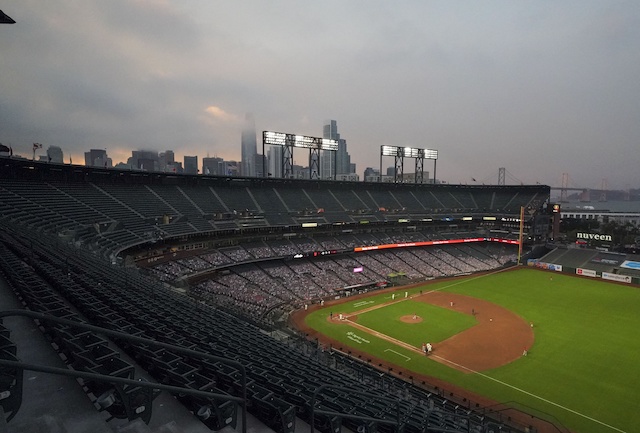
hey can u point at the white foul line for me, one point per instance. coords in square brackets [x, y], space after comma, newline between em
[398, 353]
[530, 394]
[497, 380]
[512, 386]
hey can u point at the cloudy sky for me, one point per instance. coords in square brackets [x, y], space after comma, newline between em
[541, 88]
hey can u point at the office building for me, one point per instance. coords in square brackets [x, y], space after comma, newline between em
[371, 174]
[190, 164]
[166, 160]
[143, 160]
[249, 149]
[212, 166]
[96, 158]
[274, 158]
[338, 162]
[54, 154]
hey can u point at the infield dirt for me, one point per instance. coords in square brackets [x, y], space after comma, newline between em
[499, 337]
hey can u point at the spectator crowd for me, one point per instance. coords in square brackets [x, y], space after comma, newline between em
[238, 282]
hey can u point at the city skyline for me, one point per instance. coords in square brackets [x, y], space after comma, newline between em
[165, 162]
[540, 89]
[300, 161]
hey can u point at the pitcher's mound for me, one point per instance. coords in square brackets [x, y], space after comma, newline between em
[411, 319]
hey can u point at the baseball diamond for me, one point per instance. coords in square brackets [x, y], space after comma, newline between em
[496, 339]
[530, 333]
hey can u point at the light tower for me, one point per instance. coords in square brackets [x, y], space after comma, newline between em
[399, 153]
[289, 141]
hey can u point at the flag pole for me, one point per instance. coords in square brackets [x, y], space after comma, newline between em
[35, 146]
[520, 235]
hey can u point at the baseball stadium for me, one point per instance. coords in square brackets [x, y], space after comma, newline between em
[137, 301]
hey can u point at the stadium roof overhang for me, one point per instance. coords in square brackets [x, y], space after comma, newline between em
[6, 19]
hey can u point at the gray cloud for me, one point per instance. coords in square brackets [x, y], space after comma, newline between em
[540, 89]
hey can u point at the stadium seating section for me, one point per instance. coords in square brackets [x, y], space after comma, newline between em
[61, 233]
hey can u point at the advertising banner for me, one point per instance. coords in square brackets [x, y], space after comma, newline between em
[554, 267]
[544, 265]
[586, 272]
[607, 259]
[616, 277]
[419, 244]
[629, 264]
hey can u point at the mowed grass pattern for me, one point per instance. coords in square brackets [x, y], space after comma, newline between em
[583, 367]
[437, 323]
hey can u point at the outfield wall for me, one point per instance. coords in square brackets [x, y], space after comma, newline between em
[586, 272]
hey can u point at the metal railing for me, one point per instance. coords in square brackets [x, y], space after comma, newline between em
[120, 380]
[321, 388]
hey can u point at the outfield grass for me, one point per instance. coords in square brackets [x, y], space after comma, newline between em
[582, 368]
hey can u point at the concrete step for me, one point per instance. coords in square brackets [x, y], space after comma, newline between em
[135, 426]
[138, 426]
[3, 422]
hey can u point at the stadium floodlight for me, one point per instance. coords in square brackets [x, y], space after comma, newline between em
[329, 144]
[6, 19]
[408, 152]
[387, 150]
[399, 153]
[289, 141]
[272, 138]
[430, 154]
[303, 141]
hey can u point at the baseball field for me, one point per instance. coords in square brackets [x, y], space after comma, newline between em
[562, 348]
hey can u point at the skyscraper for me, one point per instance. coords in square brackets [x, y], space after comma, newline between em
[97, 158]
[342, 162]
[213, 166]
[191, 164]
[166, 160]
[371, 174]
[54, 154]
[274, 168]
[143, 160]
[260, 165]
[249, 154]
